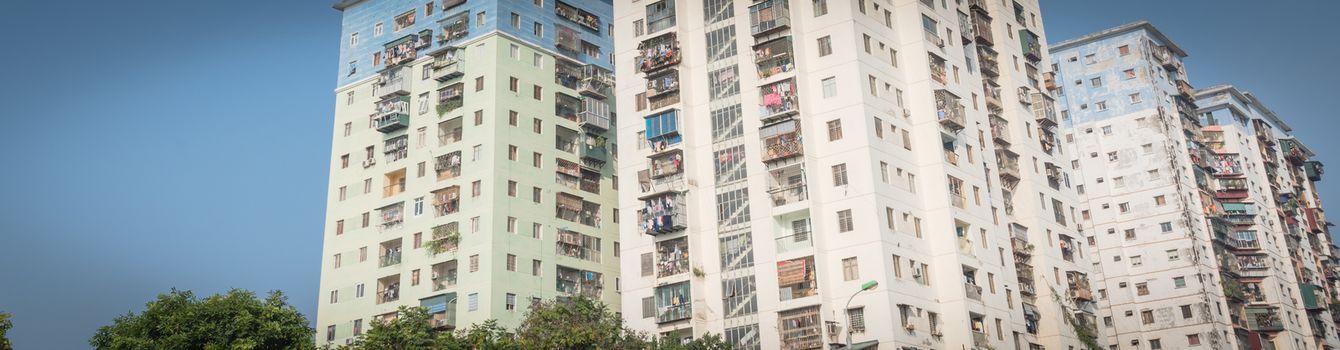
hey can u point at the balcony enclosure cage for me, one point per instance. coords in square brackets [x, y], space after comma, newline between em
[672, 257]
[658, 52]
[774, 57]
[778, 100]
[781, 140]
[663, 213]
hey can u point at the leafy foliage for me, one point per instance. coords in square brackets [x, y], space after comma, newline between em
[6, 322]
[573, 324]
[235, 320]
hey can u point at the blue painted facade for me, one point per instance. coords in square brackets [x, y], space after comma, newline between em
[1078, 97]
[356, 61]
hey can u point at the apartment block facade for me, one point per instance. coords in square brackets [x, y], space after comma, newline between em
[472, 164]
[782, 155]
[1266, 186]
[1181, 194]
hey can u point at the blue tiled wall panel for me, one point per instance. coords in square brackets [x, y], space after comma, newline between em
[364, 16]
[1115, 89]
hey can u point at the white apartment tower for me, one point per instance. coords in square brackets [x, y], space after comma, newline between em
[782, 157]
[1188, 247]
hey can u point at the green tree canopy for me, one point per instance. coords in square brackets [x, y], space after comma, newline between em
[5, 324]
[235, 320]
[571, 324]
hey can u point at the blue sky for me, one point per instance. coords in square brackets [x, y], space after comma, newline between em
[188, 142]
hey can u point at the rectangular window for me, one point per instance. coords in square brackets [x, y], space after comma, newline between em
[850, 269]
[834, 129]
[840, 175]
[825, 46]
[845, 223]
[829, 87]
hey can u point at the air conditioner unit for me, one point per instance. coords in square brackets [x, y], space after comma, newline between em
[369, 162]
[937, 333]
[910, 327]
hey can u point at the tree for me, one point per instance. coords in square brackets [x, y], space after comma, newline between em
[576, 323]
[235, 320]
[5, 324]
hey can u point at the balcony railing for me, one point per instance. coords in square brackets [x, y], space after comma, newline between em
[784, 195]
[990, 65]
[949, 111]
[446, 69]
[594, 119]
[391, 122]
[659, 52]
[395, 85]
[973, 291]
[769, 16]
[674, 312]
[782, 146]
[391, 258]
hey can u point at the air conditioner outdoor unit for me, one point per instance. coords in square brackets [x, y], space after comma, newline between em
[910, 327]
[369, 162]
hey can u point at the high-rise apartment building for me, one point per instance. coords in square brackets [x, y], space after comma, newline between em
[1265, 185]
[783, 155]
[472, 163]
[1186, 208]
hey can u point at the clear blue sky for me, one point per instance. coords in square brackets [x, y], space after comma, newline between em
[186, 143]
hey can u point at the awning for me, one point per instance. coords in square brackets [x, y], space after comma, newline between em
[436, 304]
[1235, 207]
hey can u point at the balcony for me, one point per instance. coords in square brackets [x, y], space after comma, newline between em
[796, 278]
[664, 82]
[1000, 130]
[769, 16]
[576, 15]
[594, 115]
[391, 115]
[1079, 286]
[658, 52]
[1008, 163]
[673, 302]
[1241, 240]
[389, 85]
[450, 99]
[934, 39]
[778, 100]
[991, 93]
[391, 253]
[596, 82]
[667, 163]
[980, 340]
[981, 26]
[662, 214]
[937, 68]
[454, 28]
[576, 282]
[441, 311]
[447, 68]
[396, 148]
[388, 289]
[781, 141]
[949, 111]
[393, 216]
[1313, 169]
[774, 57]
[1030, 44]
[973, 291]
[447, 201]
[672, 257]
[1165, 57]
[572, 208]
[567, 106]
[594, 152]
[1185, 90]
[1264, 319]
[576, 245]
[446, 238]
[786, 185]
[447, 166]
[988, 59]
[1044, 109]
[444, 275]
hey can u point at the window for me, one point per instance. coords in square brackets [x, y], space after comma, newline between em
[1096, 82]
[1193, 339]
[834, 129]
[845, 223]
[479, 83]
[511, 302]
[472, 301]
[1128, 74]
[1186, 311]
[840, 175]
[1124, 207]
[1165, 227]
[538, 30]
[1124, 50]
[474, 263]
[1135, 98]
[511, 262]
[1160, 200]
[418, 206]
[353, 39]
[1142, 288]
[825, 46]
[1146, 317]
[404, 21]
[535, 267]
[830, 87]
[856, 318]
[512, 84]
[850, 269]
[516, 20]
[377, 29]
[537, 92]
[1179, 282]
[339, 227]
[1101, 105]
